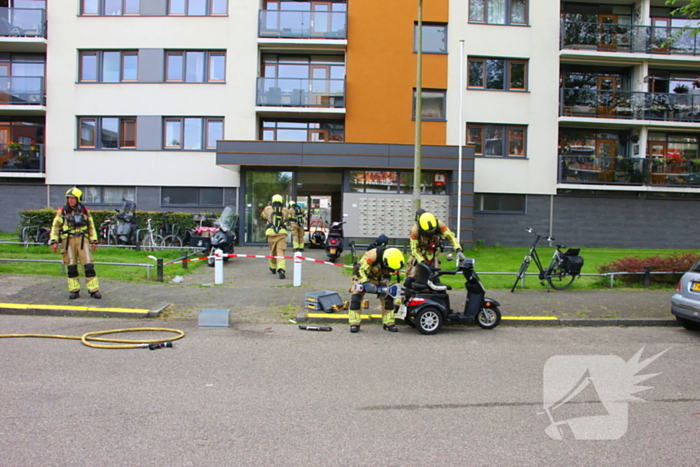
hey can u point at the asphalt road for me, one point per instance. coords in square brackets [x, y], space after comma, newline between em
[273, 395]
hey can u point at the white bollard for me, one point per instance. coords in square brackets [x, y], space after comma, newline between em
[218, 267]
[297, 269]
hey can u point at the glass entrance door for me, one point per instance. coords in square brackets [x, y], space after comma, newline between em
[260, 187]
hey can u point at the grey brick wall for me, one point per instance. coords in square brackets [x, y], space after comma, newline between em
[19, 197]
[597, 222]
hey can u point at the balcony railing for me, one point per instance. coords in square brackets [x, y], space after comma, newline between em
[22, 22]
[301, 92]
[633, 105]
[27, 158]
[303, 24]
[628, 171]
[628, 38]
[22, 90]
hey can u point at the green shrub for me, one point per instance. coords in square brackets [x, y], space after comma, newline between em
[675, 264]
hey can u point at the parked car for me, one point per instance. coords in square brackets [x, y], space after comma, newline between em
[685, 303]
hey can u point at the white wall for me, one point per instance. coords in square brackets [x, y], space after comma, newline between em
[66, 98]
[537, 108]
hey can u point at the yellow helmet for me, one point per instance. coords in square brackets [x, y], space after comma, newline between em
[277, 199]
[75, 193]
[427, 223]
[393, 259]
[292, 203]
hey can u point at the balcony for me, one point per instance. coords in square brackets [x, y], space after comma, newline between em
[26, 158]
[302, 24]
[301, 92]
[630, 38]
[630, 105]
[590, 170]
[22, 22]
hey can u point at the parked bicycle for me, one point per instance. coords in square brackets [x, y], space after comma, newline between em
[172, 236]
[151, 241]
[36, 234]
[562, 269]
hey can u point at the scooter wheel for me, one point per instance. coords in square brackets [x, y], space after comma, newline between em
[210, 262]
[488, 317]
[428, 321]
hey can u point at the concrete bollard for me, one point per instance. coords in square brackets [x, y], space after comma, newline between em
[218, 267]
[297, 269]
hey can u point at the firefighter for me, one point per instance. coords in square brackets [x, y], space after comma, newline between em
[276, 216]
[74, 229]
[425, 239]
[296, 216]
[372, 276]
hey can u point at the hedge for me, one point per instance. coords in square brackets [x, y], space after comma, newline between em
[186, 220]
[675, 264]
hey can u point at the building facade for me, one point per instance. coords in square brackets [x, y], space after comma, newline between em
[579, 119]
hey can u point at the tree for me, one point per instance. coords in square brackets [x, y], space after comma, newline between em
[691, 11]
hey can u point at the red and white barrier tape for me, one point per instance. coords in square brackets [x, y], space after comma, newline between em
[257, 256]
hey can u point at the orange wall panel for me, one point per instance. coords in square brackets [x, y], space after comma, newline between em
[381, 72]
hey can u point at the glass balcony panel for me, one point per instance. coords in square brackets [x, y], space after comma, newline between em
[656, 171]
[596, 103]
[28, 157]
[318, 23]
[301, 92]
[22, 90]
[623, 37]
[23, 22]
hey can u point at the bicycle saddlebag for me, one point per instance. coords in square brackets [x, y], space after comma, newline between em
[572, 262]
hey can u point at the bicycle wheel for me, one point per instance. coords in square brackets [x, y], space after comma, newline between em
[558, 278]
[172, 241]
[44, 237]
[152, 242]
[521, 272]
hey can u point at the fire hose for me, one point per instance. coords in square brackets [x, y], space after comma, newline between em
[90, 337]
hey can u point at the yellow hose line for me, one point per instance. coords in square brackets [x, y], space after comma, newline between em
[122, 343]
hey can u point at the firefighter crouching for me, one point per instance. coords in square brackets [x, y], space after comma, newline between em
[425, 241]
[74, 229]
[296, 220]
[276, 216]
[372, 276]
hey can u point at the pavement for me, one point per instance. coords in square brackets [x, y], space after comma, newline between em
[251, 294]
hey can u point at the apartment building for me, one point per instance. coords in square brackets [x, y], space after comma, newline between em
[570, 117]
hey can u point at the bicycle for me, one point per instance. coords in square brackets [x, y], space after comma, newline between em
[562, 269]
[35, 233]
[152, 241]
[108, 232]
[171, 234]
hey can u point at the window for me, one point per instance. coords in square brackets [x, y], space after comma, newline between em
[384, 181]
[107, 132]
[666, 144]
[192, 133]
[196, 7]
[497, 140]
[433, 104]
[498, 11]
[112, 66]
[184, 196]
[107, 194]
[109, 7]
[195, 66]
[434, 38]
[497, 73]
[301, 131]
[499, 203]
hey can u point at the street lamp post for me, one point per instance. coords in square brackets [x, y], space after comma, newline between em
[419, 112]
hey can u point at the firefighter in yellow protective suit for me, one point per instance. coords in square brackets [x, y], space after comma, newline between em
[296, 221]
[276, 216]
[425, 241]
[372, 276]
[74, 229]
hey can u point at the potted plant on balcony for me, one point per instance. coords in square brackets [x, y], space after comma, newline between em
[681, 89]
[674, 161]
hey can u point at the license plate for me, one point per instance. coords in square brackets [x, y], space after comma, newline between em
[695, 287]
[332, 250]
